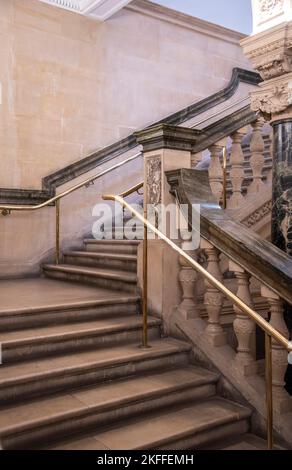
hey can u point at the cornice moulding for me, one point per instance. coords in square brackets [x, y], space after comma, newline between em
[270, 51]
[97, 9]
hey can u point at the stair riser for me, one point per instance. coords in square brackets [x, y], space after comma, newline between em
[123, 265]
[85, 422]
[49, 347]
[114, 248]
[206, 438]
[61, 317]
[105, 283]
[63, 380]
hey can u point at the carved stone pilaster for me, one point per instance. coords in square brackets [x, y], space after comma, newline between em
[153, 179]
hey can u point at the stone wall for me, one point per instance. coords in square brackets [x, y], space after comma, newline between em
[71, 85]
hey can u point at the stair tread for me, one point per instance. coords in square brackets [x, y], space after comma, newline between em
[97, 254]
[31, 370]
[159, 428]
[43, 294]
[114, 242]
[99, 272]
[59, 332]
[98, 397]
[246, 442]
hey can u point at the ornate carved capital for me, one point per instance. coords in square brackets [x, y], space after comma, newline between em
[273, 96]
[270, 52]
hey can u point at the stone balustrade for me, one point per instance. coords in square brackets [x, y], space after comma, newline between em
[249, 165]
[245, 357]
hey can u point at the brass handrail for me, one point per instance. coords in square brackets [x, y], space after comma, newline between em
[132, 190]
[7, 209]
[85, 183]
[270, 331]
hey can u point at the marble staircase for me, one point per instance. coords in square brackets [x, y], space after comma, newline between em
[73, 374]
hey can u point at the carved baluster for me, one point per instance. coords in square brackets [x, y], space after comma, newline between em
[279, 354]
[215, 171]
[213, 298]
[257, 159]
[237, 170]
[244, 326]
[187, 278]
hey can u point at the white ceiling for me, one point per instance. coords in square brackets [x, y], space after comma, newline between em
[98, 9]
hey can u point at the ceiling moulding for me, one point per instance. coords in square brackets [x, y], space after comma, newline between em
[100, 10]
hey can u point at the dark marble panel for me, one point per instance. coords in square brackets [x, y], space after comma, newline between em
[282, 186]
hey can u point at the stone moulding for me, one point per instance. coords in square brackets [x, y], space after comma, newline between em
[270, 52]
[258, 215]
[109, 153]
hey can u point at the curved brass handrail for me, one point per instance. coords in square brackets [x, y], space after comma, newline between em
[270, 330]
[132, 190]
[8, 208]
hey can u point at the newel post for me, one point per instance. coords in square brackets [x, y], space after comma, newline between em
[166, 148]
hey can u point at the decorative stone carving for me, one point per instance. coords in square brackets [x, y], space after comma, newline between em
[153, 179]
[274, 96]
[258, 215]
[269, 13]
[269, 8]
[271, 52]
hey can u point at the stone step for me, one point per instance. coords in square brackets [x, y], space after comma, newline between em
[191, 426]
[129, 247]
[60, 416]
[44, 376]
[105, 260]
[106, 278]
[244, 442]
[67, 313]
[32, 343]
[43, 301]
